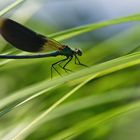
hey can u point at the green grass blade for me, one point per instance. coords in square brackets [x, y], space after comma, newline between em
[96, 71]
[101, 70]
[60, 36]
[10, 7]
[94, 100]
[96, 121]
[41, 117]
[91, 101]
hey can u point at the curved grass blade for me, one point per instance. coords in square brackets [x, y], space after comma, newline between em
[37, 121]
[10, 7]
[22, 101]
[91, 101]
[96, 71]
[60, 36]
[94, 100]
[96, 121]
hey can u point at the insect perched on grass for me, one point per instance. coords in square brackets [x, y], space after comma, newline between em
[27, 40]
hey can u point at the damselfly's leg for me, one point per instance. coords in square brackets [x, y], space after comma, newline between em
[79, 63]
[57, 63]
[64, 67]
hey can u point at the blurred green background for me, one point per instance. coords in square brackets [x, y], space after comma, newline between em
[104, 107]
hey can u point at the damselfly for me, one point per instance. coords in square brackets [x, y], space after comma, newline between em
[25, 39]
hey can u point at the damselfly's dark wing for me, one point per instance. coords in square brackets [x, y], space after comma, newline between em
[25, 39]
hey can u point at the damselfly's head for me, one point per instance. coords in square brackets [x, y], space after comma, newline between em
[78, 52]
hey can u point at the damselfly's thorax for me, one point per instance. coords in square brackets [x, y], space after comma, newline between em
[67, 51]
